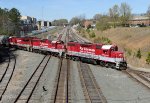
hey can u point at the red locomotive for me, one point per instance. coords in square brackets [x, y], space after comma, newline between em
[105, 55]
[34, 44]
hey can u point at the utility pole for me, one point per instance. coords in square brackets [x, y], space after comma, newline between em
[42, 16]
[3, 21]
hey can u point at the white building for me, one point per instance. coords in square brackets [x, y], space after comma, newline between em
[43, 24]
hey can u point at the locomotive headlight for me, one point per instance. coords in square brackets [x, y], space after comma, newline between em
[120, 55]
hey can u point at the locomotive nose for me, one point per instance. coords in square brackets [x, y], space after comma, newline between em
[119, 55]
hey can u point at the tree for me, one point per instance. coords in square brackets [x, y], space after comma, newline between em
[4, 20]
[125, 12]
[59, 22]
[114, 14]
[82, 19]
[148, 12]
[63, 21]
[103, 23]
[97, 16]
[6, 26]
[75, 20]
[78, 20]
[14, 16]
[10, 21]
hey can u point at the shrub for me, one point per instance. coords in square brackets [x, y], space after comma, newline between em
[102, 40]
[84, 36]
[139, 55]
[88, 31]
[106, 40]
[92, 35]
[79, 28]
[148, 58]
[128, 51]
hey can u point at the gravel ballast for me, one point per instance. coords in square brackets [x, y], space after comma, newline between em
[47, 82]
[25, 65]
[77, 95]
[118, 87]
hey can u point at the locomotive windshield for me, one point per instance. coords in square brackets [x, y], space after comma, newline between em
[114, 48]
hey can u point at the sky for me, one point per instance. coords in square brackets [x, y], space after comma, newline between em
[57, 9]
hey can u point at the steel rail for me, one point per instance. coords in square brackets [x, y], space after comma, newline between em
[139, 78]
[62, 83]
[8, 68]
[93, 91]
[36, 70]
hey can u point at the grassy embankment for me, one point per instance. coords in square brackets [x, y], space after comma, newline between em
[129, 40]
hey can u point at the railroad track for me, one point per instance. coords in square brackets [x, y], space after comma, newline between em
[142, 77]
[75, 37]
[146, 75]
[62, 91]
[91, 90]
[26, 93]
[61, 35]
[67, 37]
[7, 75]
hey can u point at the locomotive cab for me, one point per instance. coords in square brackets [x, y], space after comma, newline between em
[112, 56]
[108, 50]
[12, 41]
[58, 48]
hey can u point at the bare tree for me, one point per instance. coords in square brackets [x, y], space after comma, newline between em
[81, 17]
[114, 14]
[125, 12]
[97, 16]
[75, 20]
[78, 20]
[148, 12]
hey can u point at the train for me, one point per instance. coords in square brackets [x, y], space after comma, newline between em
[102, 54]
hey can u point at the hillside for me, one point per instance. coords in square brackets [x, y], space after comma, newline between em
[129, 40]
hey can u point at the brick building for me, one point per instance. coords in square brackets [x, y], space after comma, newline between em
[91, 23]
[139, 20]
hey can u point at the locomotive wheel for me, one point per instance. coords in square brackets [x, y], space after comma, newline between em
[76, 58]
[102, 63]
[112, 65]
[67, 57]
[25, 49]
[28, 49]
[122, 68]
[31, 50]
[107, 65]
[94, 62]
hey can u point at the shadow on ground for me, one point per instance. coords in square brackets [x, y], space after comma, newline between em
[6, 53]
